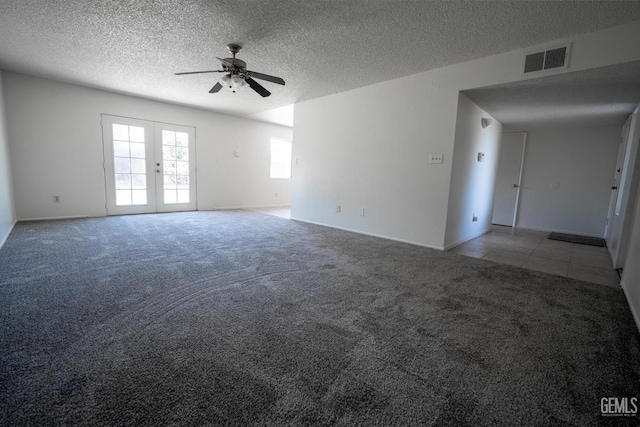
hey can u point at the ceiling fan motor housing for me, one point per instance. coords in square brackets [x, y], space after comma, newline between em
[238, 65]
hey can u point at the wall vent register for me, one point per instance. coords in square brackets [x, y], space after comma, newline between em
[550, 59]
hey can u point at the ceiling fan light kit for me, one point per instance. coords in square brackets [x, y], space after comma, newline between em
[237, 76]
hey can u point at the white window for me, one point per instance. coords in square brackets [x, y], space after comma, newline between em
[280, 158]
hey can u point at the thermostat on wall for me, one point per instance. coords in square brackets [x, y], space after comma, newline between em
[480, 157]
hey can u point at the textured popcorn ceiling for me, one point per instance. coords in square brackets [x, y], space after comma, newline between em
[318, 47]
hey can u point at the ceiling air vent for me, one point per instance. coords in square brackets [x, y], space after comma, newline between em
[550, 59]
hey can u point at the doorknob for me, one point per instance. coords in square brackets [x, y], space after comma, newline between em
[158, 170]
[158, 164]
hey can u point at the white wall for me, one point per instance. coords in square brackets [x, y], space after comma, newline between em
[370, 146]
[7, 206]
[631, 274]
[566, 179]
[56, 149]
[472, 182]
[354, 155]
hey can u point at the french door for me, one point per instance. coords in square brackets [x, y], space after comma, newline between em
[149, 166]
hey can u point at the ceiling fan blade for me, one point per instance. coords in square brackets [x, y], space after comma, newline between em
[225, 62]
[267, 77]
[199, 72]
[216, 88]
[257, 87]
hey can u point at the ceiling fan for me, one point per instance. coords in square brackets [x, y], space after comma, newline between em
[237, 76]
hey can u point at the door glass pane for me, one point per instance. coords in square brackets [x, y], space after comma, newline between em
[168, 137]
[169, 168]
[123, 197]
[182, 168]
[170, 197]
[138, 166]
[182, 139]
[120, 132]
[122, 164]
[123, 181]
[138, 182]
[120, 149]
[139, 197]
[183, 196]
[136, 133]
[129, 165]
[169, 152]
[175, 154]
[169, 182]
[182, 182]
[182, 153]
[137, 150]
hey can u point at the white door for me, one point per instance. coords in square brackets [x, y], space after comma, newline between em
[149, 167]
[175, 168]
[505, 202]
[613, 201]
[618, 230]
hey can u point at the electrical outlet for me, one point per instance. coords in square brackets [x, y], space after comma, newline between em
[361, 211]
[56, 199]
[474, 218]
[276, 195]
[436, 158]
[338, 208]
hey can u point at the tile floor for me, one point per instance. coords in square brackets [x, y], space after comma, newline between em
[532, 250]
[529, 249]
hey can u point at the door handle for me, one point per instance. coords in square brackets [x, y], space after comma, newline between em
[515, 185]
[614, 188]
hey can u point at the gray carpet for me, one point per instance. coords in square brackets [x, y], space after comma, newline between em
[238, 318]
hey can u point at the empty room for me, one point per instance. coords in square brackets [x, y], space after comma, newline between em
[319, 213]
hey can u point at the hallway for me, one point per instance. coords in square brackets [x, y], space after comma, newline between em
[532, 250]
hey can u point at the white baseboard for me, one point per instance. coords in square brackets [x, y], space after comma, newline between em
[466, 239]
[439, 248]
[4, 238]
[49, 218]
[235, 208]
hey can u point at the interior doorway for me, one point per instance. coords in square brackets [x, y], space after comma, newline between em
[149, 166]
[623, 198]
[508, 178]
[615, 193]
